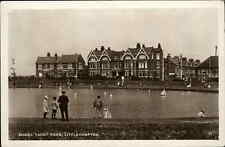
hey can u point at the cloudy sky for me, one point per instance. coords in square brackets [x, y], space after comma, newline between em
[189, 31]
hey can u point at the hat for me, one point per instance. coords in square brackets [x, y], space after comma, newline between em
[63, 92]
[46, 97]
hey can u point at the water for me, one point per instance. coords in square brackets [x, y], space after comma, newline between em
[124, 103]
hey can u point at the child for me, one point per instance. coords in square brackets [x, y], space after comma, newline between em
[201, 114]
[54, 108]
[45, 106]
[106, 113]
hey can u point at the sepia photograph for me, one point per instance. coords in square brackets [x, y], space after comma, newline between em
[113, 71]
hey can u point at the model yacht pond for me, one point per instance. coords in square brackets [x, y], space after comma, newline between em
[123, 103]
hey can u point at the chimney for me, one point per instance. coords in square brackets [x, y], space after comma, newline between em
[159, 46]
[138, 46]
[143, 46]
[48, 54]
[56, 56]
[168, 56]
[102, 48]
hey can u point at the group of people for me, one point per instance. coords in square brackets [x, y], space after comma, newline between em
[101, 111]
[61, 103]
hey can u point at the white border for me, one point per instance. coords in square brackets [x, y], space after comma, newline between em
[6, 7]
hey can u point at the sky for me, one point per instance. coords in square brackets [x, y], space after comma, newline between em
[192, 32]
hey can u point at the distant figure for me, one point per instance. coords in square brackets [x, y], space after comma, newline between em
[106, 113]
[63, 105]
[122, 78]
[105, 93]
[98, 105]
[189, 85]
[163, 93]
[40, 85]
[45, 106]
[54, 108]
[91, 87]
[118, 83]
[201, 114]
[209, 86]
[149, 92]
[110, 96]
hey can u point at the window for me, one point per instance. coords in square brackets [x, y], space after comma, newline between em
[92, 59]
[70, 66]
[105, 65]
[80, 66]
[59, 66]
[51, 66]
[141, 65]
[127, 58]
[158, 74]
[39, 67]
[146, 65]
[158, 65]
[127, 64]
[92, 65]
[158, 56]
[65, 66]
[142, 57]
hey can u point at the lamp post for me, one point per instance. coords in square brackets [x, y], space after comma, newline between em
[181, 70]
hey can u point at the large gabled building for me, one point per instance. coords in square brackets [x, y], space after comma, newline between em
[59, 66]
[141, 62]
[105, 63]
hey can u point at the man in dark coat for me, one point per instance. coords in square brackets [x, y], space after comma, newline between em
[98, 106]
[63, 105]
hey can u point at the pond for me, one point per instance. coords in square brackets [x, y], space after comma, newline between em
[124, 103]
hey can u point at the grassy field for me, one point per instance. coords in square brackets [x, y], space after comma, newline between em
[121, 129]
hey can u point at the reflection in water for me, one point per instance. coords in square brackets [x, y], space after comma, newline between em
[123, 103]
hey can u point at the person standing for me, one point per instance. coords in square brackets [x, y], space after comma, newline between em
[98, 106]
[54, 108]
[45, 106]
[63, 105]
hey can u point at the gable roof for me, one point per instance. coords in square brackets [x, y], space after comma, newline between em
[115, 55]
[51, 60]
[97, 53]
[73, 58]
[210, 62]
[134, 51]
[69, 58]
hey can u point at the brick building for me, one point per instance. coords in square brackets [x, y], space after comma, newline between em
[59, 66]
[209, 69]
[179, 67]
[141, 62]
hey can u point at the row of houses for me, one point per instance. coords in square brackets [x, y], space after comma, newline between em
[139, 62]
